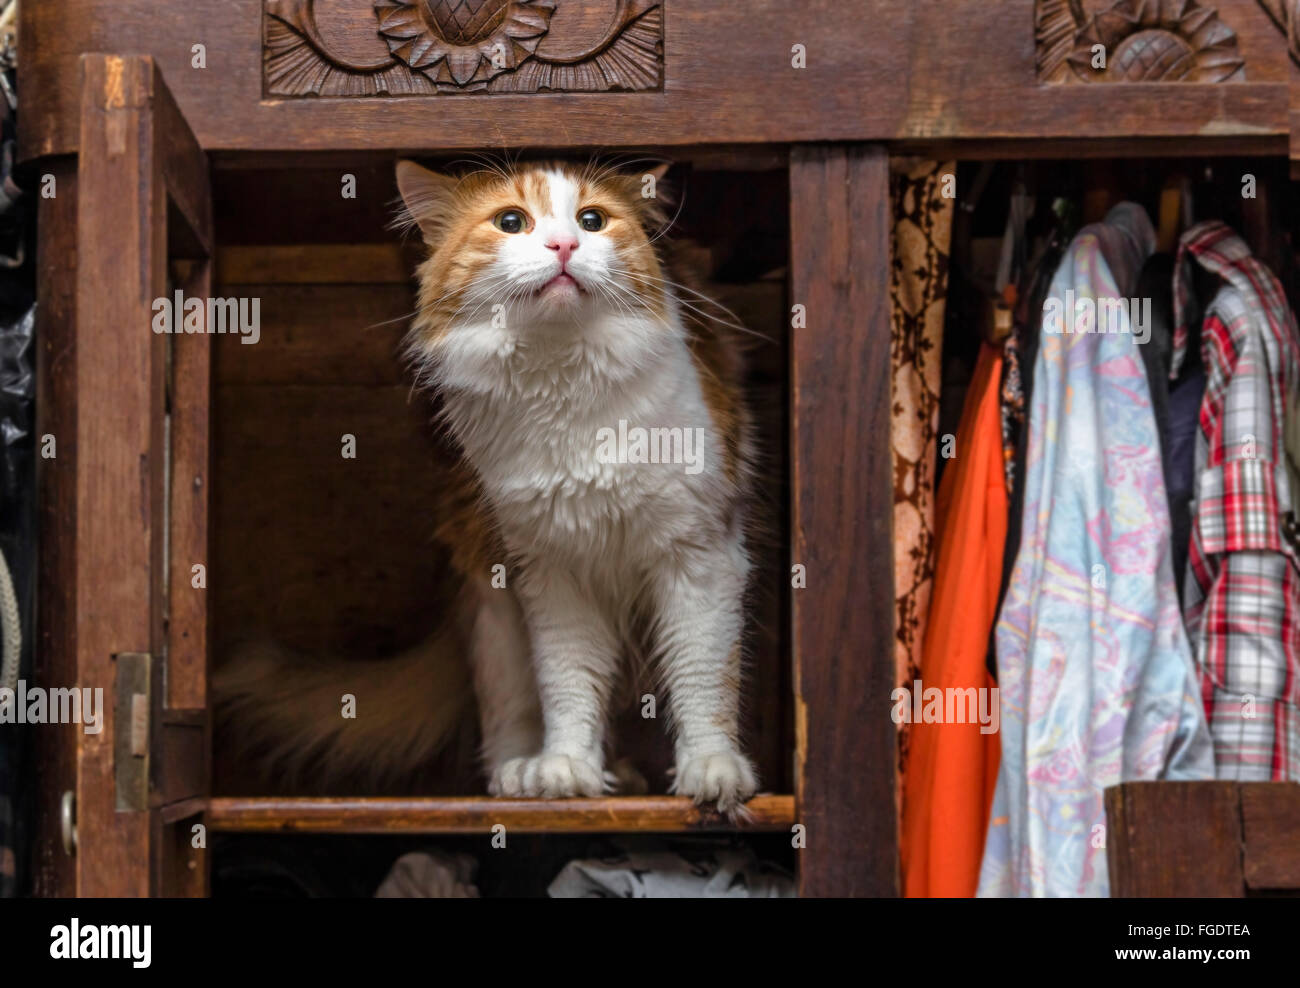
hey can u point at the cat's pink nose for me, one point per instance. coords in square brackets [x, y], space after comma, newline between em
[564, 245]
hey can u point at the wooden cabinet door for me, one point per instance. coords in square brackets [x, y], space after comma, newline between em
[122, 598]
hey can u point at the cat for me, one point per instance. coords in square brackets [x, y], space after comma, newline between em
[605, 480]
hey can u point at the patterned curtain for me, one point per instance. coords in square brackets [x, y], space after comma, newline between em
[922, 228]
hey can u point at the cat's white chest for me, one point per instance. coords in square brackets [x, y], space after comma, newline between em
[575, 466]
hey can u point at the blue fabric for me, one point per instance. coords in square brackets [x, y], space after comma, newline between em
[1094, 667]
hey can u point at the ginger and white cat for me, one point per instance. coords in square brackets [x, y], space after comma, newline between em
[547, 324]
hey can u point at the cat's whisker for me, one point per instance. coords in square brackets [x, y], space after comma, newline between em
[735, 320]
[388, 322]
[732, 323]
[606, 290]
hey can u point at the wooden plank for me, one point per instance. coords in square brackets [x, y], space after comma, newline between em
[320, 334]
[1270, 820]
[319, 552]
[614, 814]
[843, 621]
[890, 70]
[55, 655]
[135, 180]
[183, 809]
[1181, 839]
[181, 756]
[121, 230]
[183, 171]
[188, 496]
[181, 734]
[183, 869]
[316, 264]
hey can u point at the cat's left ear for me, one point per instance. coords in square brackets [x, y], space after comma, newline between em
[428, 197]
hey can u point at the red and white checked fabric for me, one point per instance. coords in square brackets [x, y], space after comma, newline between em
[1242, 589]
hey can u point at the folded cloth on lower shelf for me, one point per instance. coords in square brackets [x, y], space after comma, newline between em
[672, 870]
[430, 875]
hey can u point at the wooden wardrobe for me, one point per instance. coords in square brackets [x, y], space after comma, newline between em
[206, 146]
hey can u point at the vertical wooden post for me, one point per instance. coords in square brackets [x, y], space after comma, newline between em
[184, 737]
[121, 239]
[842, 493]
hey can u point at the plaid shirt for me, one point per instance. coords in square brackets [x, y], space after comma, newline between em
[1242, 600]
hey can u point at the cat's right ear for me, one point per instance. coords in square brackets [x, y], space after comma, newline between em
[427, 196]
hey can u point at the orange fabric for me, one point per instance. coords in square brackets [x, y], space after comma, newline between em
[952, 769]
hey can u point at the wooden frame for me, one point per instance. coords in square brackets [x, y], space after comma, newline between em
[970, 78]
[133, 137]
[960, 72]
[140, 180]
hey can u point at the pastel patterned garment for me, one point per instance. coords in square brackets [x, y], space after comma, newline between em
[1242, 588]
[1096, 674]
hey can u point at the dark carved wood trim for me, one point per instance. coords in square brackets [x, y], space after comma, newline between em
[1179, 41]
[462, 46]
[1286, 15]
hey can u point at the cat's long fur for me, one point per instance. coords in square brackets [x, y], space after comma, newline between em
[530, 368]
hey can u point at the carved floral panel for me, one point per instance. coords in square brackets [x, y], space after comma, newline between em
[1286, 15]
[430, 47]
[1134, 41]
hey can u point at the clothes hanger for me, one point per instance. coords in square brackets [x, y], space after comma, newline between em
[998, 310]
[1171, 224]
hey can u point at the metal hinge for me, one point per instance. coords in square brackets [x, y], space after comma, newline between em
[131, 716]
[68, 822]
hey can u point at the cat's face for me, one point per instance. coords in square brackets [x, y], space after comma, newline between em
[536, 246]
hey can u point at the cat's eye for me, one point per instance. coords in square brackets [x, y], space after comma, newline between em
[592, 220]
[511, 221]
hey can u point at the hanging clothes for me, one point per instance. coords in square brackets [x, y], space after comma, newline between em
[1292, 521]
[1180, 478]
[953, 766]
[1176, 403]
[922, 218]
[1019, 353]
[1242, 589]
[1095, 671]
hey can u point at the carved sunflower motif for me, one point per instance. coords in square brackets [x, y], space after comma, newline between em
[1169, 41]
[1286, 15]
[463, 41]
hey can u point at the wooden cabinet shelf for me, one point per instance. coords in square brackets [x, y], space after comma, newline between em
[474, 815]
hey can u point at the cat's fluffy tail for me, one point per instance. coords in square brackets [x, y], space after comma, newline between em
[287, 712]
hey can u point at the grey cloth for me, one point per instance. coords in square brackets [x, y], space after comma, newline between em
[673, 870]
[430, 875]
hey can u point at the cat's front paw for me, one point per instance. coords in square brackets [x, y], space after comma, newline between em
[547, 776]
[722, 777]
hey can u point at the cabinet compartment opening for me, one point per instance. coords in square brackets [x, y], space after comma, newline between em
[326, 554]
